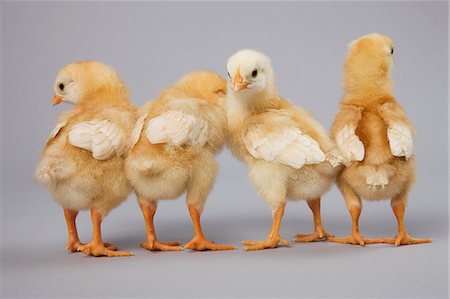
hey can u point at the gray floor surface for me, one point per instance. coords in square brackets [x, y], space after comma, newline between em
[34, 262]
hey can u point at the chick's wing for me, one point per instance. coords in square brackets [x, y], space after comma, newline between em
[400, 140]
[102, 137]
[176, 127]
[286, 145]
[56, 130]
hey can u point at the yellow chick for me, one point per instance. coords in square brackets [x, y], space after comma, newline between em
[82, 164]
[374, 135]
[175, 141]
[289, 155]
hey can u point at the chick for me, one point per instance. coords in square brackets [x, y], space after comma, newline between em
[82, 164]
[288, 153]
[375, 136]
[175, 141]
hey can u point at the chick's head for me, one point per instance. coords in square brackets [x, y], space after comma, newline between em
[369, 60]
[250, 73]
[76, 80]
[204, 85]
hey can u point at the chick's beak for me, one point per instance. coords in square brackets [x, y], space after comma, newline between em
[56, 100]
[238, 82]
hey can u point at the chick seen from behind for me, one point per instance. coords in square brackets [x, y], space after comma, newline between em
[289, 155]
[375, 136]
[82, 164]
[175, 142]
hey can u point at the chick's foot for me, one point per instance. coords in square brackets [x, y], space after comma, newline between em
[355, 238]
[111, 246]
[402, 238]
[270, 242]
[100, 249]
[74, 246]
[200, 243]
[318, 235]
[161, 246]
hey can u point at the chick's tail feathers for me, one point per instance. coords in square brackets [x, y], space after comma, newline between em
[51, 170]
[145, 166]
[377, 176]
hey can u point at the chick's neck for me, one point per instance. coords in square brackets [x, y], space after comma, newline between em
[367, 87]
[106, 96]
[241, 107]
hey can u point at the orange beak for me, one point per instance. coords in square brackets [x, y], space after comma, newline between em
[238, 81]
[56, 100]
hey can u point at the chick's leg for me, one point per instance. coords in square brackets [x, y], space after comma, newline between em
[74, 242]
[199, 242]
[402, 238]
[152, 244]
[354, 206]
[319, 232]
[274, 237]
[96, 247]
[204, 171]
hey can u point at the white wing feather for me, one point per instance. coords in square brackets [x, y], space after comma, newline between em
[101, 137]
[137, 130]
[400, 140]
[56, 130]
[176, 128]
[349, 144]
[290, 146]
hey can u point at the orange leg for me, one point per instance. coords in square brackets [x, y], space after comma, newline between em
[74, 242]
[273, 238]
[353, 202]
[199, 242]
[152, 244]
[319, 232]
[96, 247]
[355, 237]
[402, 237]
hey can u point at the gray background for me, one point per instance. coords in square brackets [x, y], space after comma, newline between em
[152, 45]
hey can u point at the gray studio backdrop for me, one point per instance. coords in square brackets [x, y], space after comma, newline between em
[152, 45]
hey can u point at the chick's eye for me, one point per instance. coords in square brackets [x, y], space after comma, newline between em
[254, 73]
[392, 51]
[61, 86]
[229, 76]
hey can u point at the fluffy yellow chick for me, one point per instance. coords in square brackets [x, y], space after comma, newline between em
[82, 164]
[375, 136]
[289, 155]
[175, 141]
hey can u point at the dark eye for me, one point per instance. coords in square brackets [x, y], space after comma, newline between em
[254, 73]
[392, 51]
[229, 76]
[61, 86]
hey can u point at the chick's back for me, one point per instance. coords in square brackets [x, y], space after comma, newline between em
[199, 95]
[73, 175]
[177, 136]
